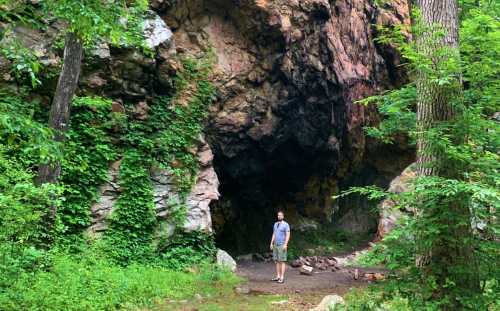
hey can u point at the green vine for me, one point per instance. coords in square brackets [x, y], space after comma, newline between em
[163, 140]
[133, 219]
[88, 152]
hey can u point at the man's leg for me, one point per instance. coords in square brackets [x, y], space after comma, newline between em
[278, 270]
[283, 267]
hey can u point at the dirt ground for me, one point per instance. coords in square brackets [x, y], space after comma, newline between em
[299, 292]
[303, 291]
[259, 275]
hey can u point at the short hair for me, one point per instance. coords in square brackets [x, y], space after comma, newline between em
[280, 211]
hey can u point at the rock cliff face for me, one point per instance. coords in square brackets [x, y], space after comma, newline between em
[166, 199]
[285, 130]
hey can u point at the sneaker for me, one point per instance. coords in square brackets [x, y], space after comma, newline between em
[281, 281]
[275, 279]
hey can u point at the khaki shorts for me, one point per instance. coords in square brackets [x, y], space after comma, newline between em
[279, 253]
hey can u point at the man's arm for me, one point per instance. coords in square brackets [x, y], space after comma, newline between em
[287, 239]
[272, 241]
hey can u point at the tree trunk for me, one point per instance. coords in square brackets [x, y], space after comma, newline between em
[60, 109]
[433, 100]
[451, 250]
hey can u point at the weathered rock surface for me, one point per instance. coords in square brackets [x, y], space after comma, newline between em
[203, 192]
[328, 303]
[285, 129]
[166, 197]
[108, 194]
[389, 215]
[306, 270]
[225, 260]
[156, 31]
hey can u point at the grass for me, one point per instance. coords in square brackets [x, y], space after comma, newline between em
[89, 282]
[224, 300]
[96, 284]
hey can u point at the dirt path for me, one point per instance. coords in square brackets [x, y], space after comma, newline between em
[258, 293]
[303, 291]
[259, 274]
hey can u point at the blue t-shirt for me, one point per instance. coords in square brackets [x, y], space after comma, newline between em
[280, 229]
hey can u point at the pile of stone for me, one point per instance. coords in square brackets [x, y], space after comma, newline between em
[368, 276]
[309, 263]
[374, 276]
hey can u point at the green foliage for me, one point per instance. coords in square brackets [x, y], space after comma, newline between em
[397, 107]
[469, 147]
[88, 152]
[117, 21]
[26, 143]
[404, 293]
[16, 11]
[92, 283]
[130, 233]
[23, 205]
[323, 241]
[397, 250]
[187, 249]
[186, 120]
[162, 140]
[25, 139]
[25, 64]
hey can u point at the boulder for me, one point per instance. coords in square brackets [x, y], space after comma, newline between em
[242, 290]
[225, 260]
[379, 276]
[328, 303]
[156, 31]
[388, 214]
[306, 270]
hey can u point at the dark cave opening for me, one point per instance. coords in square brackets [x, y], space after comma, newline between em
[254, 185]
[299, 182]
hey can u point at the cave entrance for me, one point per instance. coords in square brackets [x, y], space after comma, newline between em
[301, 183]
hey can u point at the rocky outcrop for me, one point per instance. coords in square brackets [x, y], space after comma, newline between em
[388, 212]
[285, 128]
[329, 302]
[108, 194]
[156, 31]
[204, 191]
[166, 197]
[224, 260]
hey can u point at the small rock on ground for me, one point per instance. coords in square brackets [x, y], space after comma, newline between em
[328, 303]
[242, 290]
[225, 260]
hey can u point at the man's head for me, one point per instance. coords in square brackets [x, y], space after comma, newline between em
[281, 215]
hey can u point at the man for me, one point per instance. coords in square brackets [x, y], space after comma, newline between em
[279, 245]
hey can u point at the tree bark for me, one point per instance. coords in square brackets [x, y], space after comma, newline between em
[450, 256]
[60, 110]
[433, 100]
